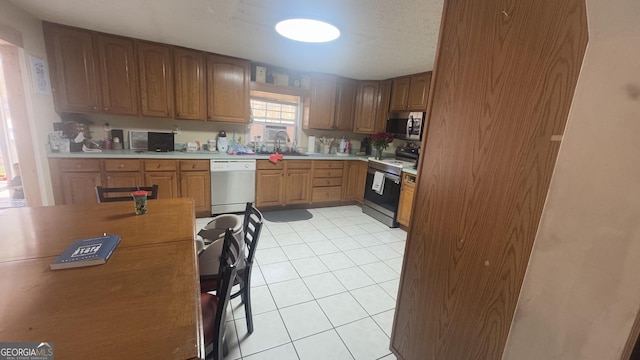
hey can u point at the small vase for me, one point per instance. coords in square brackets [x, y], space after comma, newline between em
[379, 153]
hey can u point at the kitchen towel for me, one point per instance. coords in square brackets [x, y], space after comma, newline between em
[378, 182]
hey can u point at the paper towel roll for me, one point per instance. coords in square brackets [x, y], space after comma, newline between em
[311, 145]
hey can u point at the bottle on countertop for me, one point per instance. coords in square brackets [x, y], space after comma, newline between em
[343, 145]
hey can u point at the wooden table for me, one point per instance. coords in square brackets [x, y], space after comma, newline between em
[143, 303]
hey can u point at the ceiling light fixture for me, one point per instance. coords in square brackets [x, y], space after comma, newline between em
[307, 30]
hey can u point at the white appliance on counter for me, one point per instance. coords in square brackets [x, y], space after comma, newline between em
[233, 185]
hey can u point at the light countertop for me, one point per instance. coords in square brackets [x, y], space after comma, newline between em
[202, 155]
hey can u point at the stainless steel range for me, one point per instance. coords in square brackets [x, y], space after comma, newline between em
[381, 196]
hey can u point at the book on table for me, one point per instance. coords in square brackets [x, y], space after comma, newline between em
[87, 252]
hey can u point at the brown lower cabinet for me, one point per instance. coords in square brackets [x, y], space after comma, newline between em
[355, 177]
[283, 183]
[74, 180]
[406, 198]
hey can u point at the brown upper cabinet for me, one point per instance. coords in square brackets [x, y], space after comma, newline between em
[323, 102]
[345, 104]
[367, 101]
[384, 94]
[410, 93]
[118, 74]
[228, 89]
[73, 69]
[190, 84]
[156, 79]
[332, 103]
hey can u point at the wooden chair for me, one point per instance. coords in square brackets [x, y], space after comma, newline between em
[124, 193]
[252, 226]
[214, 307]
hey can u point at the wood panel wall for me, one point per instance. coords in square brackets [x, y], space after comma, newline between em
[504, 80]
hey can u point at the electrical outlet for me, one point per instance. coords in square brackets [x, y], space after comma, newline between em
[176, 130]
[107, 127]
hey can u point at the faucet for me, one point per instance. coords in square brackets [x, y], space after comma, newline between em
[277, 140]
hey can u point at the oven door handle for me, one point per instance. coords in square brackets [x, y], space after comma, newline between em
[395, 178]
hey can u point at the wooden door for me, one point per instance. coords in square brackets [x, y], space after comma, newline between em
[419, 92]
[366, 107]
[269, 187]
[167, 182]
[190, 84]
[80, 187]
[400, 94]
[156, 79]
[73, 69]
[323, 102]
[355, 178]
[345, 104]
[228, 89]
[118, 75]
[298, 186]
[499, 97]
[197, 186]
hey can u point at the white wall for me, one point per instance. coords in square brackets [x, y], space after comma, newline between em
[581, 292]
[41, 114]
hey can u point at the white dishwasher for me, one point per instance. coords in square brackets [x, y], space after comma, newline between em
[233, 185]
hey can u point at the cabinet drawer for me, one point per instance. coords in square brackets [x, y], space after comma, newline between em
[327, 173]
[327, 181]
[268, 165]
[328, 164]
[79, 165]
[325, 194]
[194, 165]
[298, 164]
[121, 165]
[160, 165]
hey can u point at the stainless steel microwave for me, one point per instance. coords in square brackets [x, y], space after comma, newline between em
[406, 125]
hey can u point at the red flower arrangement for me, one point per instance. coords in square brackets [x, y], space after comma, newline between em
[380, 142]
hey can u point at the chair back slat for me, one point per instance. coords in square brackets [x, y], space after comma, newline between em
[105, 194]
[253, 221]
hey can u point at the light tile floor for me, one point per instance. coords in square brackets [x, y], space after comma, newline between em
[323, 288]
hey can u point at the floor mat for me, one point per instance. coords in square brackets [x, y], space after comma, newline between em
[287, 215]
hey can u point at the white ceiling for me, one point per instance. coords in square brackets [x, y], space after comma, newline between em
[380, 38]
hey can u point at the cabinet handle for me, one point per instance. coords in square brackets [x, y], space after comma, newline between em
[121, 166]
[94, 108]
[179, 114]
[108, 177]
[79, 166]
[193, 166]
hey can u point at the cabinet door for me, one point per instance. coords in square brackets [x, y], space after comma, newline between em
[190, 89]
[419, 92]
[400, 94]
[323, 102]
[406, 198]
[298, 187]
[73, 69]
[228, 89]
[345, 104]
[366, 107]
[197, 186]
[269, 187]
[355, 179]
[80, 187]
[118, 75]
[167, 182]
[122, 179]
[156, 79]
[384, 94]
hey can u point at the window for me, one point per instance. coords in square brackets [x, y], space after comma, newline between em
[273, 113]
